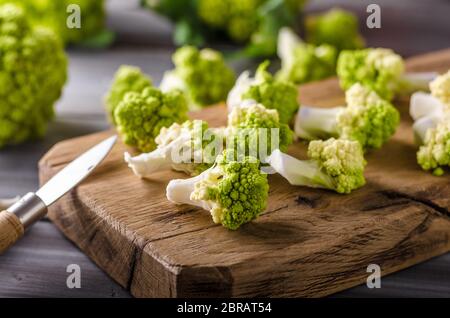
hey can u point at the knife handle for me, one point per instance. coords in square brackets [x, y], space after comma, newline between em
[11, 229]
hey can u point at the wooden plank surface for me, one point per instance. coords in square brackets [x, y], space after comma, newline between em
[308, 243]
[144, 40]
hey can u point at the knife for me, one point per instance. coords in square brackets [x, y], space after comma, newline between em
[33, 206]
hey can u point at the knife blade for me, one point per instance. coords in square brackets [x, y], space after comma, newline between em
[33, 206]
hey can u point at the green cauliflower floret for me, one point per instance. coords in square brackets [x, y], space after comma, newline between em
[234, 192]
[434, 154]
[302, 62]
[334, 164]
[264, 89]
[54, 14]
[190, 147]
[127, 79]
[33, 70]
[336, 27]
[440, 88]
[379, 69]
[246, 135]
[367, 119]
[202, 74]
[140, 116]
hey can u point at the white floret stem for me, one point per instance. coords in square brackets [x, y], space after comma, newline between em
[423, 104]
[415, 81]
[179, 191]
[241, 86]
[6, 203]
[300, 172]
[317, 123]
[288, 40]
[422, 126]
[171, 81]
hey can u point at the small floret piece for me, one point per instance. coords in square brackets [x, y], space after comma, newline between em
[140, 116]
[127, 79]
[367, 119]
[188, 147]
[334, 164]
[264, 89]
[202, 74]
[234, 192]
[303, 62]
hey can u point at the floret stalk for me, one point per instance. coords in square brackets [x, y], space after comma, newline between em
[317, 123]
[300, 172]
[424, 104]
[416, 81]
[422, 125]
[179, 191]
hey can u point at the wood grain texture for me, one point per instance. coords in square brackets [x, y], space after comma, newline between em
[10, 230]
[308, 243]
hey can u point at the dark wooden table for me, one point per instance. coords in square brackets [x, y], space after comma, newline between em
[36, 266]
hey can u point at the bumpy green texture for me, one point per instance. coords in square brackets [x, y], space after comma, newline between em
[127, 79]
[336, 27]
[434, 155]
[367, 118]
[379, 69]
[310, 63]
[33, 70]
[244, 124]
[274, 94]
[440, 88]
[237, 191]
[53, 14]
[342, 160]
[206, 76]
[140, 116]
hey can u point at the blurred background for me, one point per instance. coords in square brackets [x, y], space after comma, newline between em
[139, 36]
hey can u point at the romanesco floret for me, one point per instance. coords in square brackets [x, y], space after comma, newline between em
[334, 164]
[54, 14]
[302, 62]
[245, 130]
[264, 89]
[234, 192]
[434, 154]
[127, 79]
[440, 88]
[202, 74]
[33, 71]
[140, 116]
[335, 27]
[190, 147]
[379, 69]
[367, 119]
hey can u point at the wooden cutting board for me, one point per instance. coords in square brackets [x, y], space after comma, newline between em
[308, 243]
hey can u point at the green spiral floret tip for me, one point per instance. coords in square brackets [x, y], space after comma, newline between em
[33, 71]
[207, 78]
[127, 79]
[140, 116]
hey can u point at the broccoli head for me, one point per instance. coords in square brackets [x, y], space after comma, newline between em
[334, 164]
[264, 89]
[127, 79]
[33, 71]
[234, 192]
[367, 119]
[336, 27]
[53, 14]
[190, 147]
[379, 69]
[140, 116]
[202, 74]
[434, 154]
[245, 124]
[302, 62]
